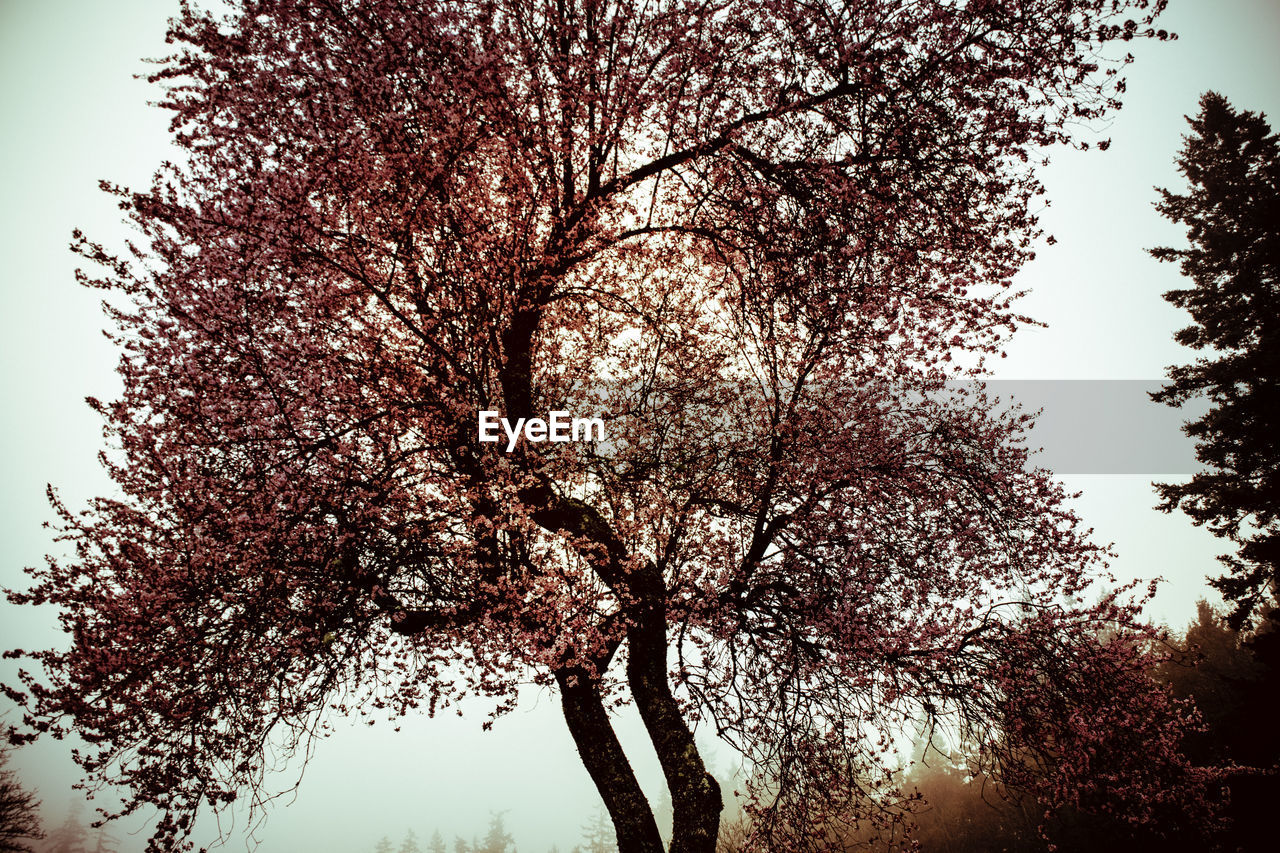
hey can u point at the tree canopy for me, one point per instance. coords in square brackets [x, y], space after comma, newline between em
[754, 238]
[1231, 210]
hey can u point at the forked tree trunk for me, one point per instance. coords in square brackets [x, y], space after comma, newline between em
[695, 794]
[607, 763]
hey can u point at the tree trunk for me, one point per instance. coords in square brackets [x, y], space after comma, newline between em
[695, 794]
[607, 763]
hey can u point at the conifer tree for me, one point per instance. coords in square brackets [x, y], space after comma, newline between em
[410, 843]
[497, 839]
[1231, 210]
[70, 836]
[105, 842]
[596, 837]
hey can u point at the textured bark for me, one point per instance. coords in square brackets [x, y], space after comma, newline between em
[605, 761]
[695, 794]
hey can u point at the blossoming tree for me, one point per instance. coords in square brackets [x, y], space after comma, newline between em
[752, 238]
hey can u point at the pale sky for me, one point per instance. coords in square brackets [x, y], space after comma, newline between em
[71, 114]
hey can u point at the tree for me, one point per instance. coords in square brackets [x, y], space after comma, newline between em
[1231, 161]
[752, 238]
[70, 836]
[19, 821]
[597, 835]
[1236, 691]
[383, 846]
[106, 842]
[410, 843]
[496, 839]
[436, 844]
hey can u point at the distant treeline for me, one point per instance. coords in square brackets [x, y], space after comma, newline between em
[596, 837]
[1233, 678]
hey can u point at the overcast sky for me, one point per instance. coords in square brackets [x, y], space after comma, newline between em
[71, 114]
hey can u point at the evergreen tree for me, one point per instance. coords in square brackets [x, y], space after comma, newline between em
[497, 839]
[384, 845]
[71, 836]
[1231, 161]
[597, 834]
[410, 843]
[1236, 691]
[106, 842]
[436, 844]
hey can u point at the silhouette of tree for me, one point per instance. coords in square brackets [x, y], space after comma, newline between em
[1017, 806]
[496, 839]
[1236, 692]
[383, 846]
[70, 836]
[597, 834]
[410, 843]
[105, 842]
[753, 238]
[436, 844]
[19, 821]
[1231, 161]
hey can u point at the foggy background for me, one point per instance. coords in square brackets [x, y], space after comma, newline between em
[71, 114]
